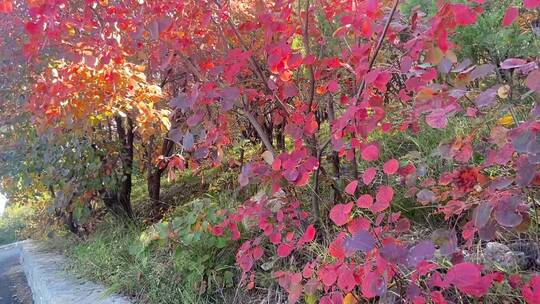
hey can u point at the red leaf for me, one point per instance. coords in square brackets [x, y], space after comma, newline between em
[403, 225]
[437, 119]
[533, 81]
[438, 298]
[514, 280]
[336, 249]
[308, 236]
[463, 274]
[276, 165]
[482, 71]
[284, 250]
[510, 15]
[383, 198]
[453, 207]
[373, 285]
[294, 61]
[369, 175]
[478, 288]
[308, 270]
[346, 281]
[531, 4]
[364, 201]
[332, 86]
[351, 187]
[463, 14]
[525, 171]
[245, 262]
[32, 28]
[6, 6]
[531, 290]
[258, 252]
[340, 213]
[309, 59]
[327, 275]
[358, 224]
[391, 166]
[370, 153]
[289, 90]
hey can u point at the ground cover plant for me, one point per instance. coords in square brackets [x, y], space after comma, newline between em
[347, 151]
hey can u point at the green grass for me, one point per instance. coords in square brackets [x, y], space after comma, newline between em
[148, 264]
[150, 277]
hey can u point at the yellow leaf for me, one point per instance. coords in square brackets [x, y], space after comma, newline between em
[435, 55]
[350, 299]
[139, 68]
[310, 298]
[450, 55]
[166, 122]
[503, 91]
[425, 94]
[506, 120]
[70, 29]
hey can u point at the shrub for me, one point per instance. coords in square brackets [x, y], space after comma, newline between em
[13, 222]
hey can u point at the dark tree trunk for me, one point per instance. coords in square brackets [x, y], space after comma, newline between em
[334, 156]
[153, 183]
[65, 213]
[126, 136]
[153, 179]
[70, 223]
[280, 138]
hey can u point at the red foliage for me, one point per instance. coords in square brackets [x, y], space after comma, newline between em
[249, 70]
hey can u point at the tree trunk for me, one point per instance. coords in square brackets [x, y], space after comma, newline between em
[334, 156]
[153, 179]
[126, 137]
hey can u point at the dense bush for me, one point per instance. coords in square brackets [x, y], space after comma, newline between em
[13, 222]
[365, 151]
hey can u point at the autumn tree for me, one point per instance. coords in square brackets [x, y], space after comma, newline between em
[318, 85]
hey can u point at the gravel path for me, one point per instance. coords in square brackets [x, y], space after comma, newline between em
[13, 286]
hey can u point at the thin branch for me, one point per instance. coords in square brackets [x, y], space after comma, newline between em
[262, 135]
[258, 70]
[378, 47]
[308, 52]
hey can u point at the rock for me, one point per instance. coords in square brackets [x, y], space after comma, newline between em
[529, 253]
[497, 255]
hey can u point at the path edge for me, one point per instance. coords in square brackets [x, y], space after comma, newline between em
[50, 284]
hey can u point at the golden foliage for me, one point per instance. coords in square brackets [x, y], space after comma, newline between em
[77, 96]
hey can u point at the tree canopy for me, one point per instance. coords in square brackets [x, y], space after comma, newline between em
[96, 92]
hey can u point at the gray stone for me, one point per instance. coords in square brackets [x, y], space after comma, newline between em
[51, 285]
[497, 255]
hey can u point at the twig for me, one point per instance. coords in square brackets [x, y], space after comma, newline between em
[308, 52]
[253, 62]
[378, 47]
[260, 131]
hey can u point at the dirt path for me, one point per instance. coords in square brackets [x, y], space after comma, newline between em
[13, 286]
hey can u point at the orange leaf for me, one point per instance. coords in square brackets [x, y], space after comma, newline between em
[350, 299]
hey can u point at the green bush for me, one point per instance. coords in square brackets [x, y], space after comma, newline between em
[176, 258]
[488, 41]
[13, 222]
